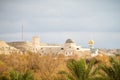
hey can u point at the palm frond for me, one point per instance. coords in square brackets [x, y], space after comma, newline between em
[79, 70]
[112, 71]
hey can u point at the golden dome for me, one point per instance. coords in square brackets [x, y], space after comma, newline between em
[91, 42]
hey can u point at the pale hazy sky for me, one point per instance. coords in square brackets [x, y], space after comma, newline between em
[56, 20]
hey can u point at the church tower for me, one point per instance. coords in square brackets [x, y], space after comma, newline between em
[93, 51]
[91, 43]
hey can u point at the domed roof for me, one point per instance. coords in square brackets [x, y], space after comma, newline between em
[69, 41]
[91, 42]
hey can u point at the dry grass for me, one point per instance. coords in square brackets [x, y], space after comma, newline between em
[43, 67]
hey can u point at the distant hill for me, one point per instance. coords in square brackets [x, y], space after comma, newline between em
[6, 49]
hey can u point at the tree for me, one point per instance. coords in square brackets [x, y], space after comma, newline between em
[80, 70]
[14, 75]
[112, 71]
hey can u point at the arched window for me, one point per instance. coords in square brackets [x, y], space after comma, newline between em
[77, 48]
[62, 48]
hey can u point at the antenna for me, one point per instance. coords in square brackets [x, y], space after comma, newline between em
[22, 32]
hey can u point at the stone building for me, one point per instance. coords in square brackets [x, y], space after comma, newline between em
[6, 49]
[69, 48]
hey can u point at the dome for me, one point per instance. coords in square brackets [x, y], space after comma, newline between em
[69, 41]
[91, 42]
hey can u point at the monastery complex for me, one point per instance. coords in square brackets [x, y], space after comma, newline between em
[69, 48]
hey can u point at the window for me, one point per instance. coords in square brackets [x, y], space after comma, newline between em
[66, 53]
[62, 48]
[77, 48]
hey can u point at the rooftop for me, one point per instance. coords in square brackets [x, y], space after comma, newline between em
[69, 41]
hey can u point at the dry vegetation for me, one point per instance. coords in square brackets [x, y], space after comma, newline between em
[37, 66]
[42, 67]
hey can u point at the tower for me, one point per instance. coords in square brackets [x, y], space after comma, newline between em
[35, 40]
[69, 46]
[70, 43]
[36, 43]
[91, 43]
[93, 51]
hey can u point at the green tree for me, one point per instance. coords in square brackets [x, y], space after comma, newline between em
[112, 71]
[14, 75]
[80, 70]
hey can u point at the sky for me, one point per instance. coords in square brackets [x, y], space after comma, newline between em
[54, 21]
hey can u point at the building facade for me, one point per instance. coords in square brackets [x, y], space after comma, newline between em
[69, 48]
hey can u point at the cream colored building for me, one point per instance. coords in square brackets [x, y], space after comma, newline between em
[69, 48]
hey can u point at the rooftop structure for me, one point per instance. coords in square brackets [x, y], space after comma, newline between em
[91, 42]
[69, 48]
[69, 41]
